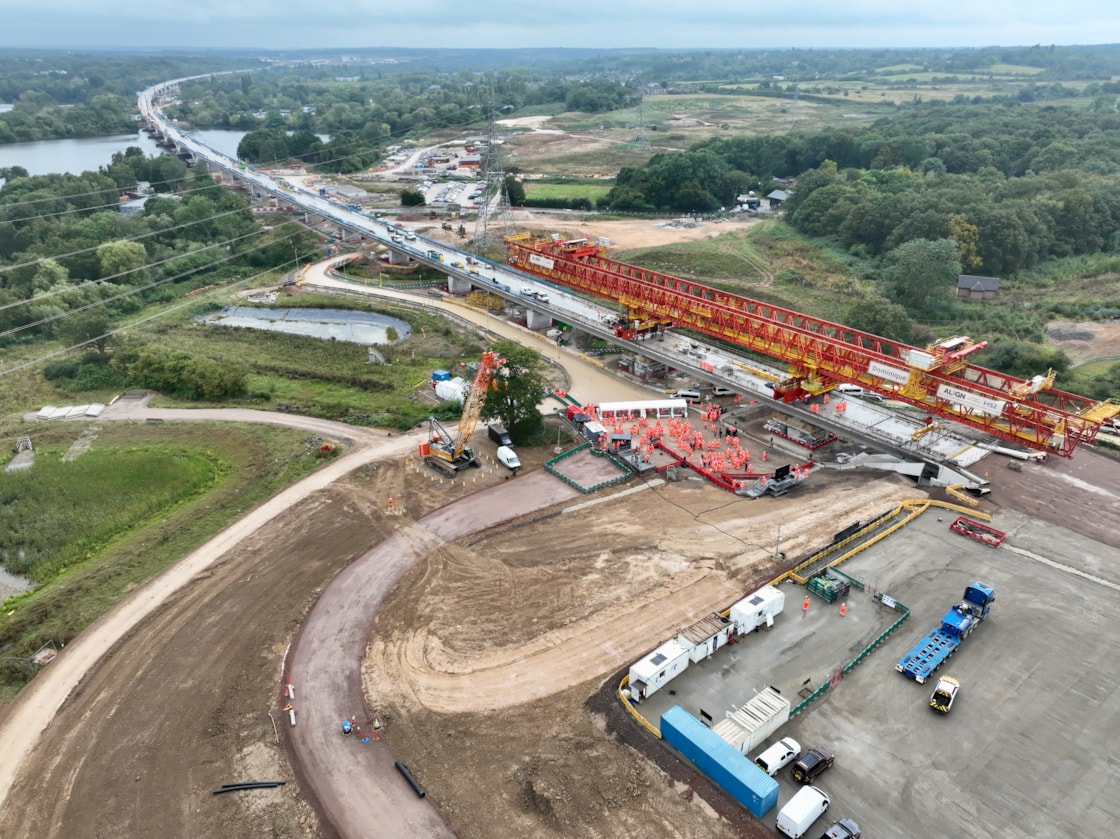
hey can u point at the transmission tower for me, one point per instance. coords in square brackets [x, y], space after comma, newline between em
[495, 221]
[640, 141]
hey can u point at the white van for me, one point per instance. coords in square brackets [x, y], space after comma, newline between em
[782, 753]
[722, 390]
[508, 458]
[806, 806]
[686, 393]
[850, 389]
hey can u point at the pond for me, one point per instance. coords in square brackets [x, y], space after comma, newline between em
[329, 324]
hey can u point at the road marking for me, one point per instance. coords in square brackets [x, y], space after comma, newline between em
[1069, 569]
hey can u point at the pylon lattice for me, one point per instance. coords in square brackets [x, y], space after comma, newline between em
[495, 220]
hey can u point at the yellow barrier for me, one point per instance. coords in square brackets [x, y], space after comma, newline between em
[633, 711]
[916, 508]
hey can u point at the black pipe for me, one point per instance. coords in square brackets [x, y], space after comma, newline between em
[419, 790]
[247, 786]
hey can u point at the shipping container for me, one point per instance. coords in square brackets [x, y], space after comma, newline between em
[731, 771]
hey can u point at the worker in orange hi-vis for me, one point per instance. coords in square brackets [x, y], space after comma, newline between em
[843, 609]
[805, 605]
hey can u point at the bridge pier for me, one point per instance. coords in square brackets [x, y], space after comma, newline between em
[457, 285]
[537, 320]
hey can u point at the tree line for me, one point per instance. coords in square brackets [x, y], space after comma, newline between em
[72, 265]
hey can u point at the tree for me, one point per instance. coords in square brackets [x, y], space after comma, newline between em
[515, 191]
[88, 328]
[922, 272]
[50, 275]
[412, 198]
[517, 390]
[967, 237]
[880, 317]
[117, 258]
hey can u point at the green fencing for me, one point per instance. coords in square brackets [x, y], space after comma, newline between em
[550, 467]
[904, 613]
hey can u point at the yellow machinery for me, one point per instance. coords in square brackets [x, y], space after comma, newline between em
[451, 454]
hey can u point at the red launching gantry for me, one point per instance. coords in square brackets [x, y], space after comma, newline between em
[820, 354]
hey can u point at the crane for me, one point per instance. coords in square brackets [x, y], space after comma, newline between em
[450, 453]
[939, 379]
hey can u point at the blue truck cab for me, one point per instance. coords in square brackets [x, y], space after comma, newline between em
[959, 622]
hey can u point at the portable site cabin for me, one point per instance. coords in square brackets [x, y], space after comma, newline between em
[748, 726]
[758, 608]
[657, 669]
[705, 636]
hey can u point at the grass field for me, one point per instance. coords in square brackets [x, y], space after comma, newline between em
[591, 190]
[330, 379]
[770, 262]
[141, 498]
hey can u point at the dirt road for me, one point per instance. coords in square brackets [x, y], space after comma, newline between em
[326, 658]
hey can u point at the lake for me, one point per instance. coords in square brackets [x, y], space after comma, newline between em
[91, 153]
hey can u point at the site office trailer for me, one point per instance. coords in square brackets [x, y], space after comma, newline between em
[757, 608]
[657, 669]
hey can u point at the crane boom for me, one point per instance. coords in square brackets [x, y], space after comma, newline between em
[452, 454]
[938, 379]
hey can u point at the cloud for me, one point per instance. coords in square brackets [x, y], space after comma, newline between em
[668, 24]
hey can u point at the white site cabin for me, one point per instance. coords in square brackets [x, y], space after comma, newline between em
[757, 609]
[657, 669]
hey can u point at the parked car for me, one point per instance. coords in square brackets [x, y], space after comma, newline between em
[812, 763]
[782, 753]
[842, 829]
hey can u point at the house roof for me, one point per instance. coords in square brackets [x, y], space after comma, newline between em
[971, 283]
[778, 195]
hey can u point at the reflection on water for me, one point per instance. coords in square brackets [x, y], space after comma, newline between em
[330, 324]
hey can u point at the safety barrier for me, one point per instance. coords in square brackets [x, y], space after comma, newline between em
[552, 470]
[625, 700]
[864, 653]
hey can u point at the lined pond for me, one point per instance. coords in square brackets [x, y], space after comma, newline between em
[328, 324]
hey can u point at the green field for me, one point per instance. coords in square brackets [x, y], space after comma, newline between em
[330, 379]
[593, 191]
[143, 496]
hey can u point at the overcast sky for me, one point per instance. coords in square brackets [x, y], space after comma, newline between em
[668, 24]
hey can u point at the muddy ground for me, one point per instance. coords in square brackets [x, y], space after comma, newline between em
[191, 700]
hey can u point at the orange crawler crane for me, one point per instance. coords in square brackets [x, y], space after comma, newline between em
[450, 453]
[939, 379]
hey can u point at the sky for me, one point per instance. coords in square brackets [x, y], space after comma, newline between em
[666, 24]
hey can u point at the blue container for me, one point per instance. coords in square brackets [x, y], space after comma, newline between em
[441, 376]
[716, 758]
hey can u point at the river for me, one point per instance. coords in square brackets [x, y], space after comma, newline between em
[91, 153]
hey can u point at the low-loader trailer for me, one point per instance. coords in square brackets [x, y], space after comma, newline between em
[936, 648]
